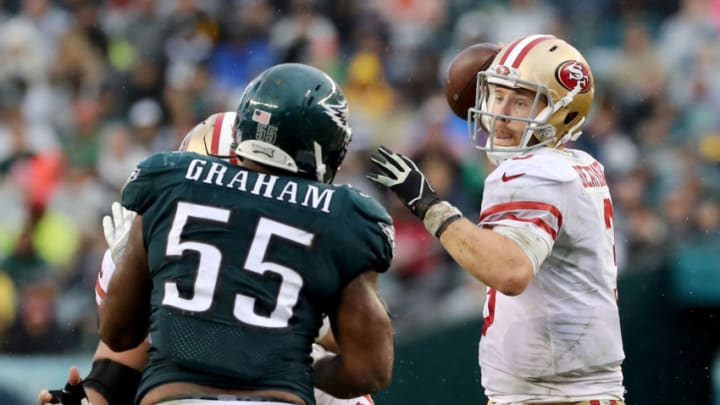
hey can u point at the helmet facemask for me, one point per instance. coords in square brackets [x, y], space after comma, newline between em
[482, 121]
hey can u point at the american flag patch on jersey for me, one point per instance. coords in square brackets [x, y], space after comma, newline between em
[262, 117]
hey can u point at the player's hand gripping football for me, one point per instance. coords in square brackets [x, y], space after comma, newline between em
[72, 394]
[117, 229]
[401, 175]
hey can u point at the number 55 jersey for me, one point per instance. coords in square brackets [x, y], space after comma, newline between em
[244, 266]
[560, 338]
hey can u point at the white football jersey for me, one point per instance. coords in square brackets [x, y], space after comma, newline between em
[560, 339]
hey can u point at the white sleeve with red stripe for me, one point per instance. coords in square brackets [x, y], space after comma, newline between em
[103, 279]
[522, 195]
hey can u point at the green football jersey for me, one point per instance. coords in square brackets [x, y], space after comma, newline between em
[244, 265]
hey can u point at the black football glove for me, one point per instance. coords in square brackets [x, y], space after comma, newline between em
[401, 175]
[70, 395]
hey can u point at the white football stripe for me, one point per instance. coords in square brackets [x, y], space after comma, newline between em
[226, 134]
[515, 52]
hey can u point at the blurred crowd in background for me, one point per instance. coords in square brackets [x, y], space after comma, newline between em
[89, 88]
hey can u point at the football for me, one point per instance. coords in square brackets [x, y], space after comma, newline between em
[461, 76]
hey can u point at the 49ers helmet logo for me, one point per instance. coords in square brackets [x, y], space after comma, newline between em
[573, 73]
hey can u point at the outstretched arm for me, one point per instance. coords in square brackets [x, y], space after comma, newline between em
[113, 380]
[489, 256]
[365, 340]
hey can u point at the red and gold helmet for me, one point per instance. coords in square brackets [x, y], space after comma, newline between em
[214, 136]
[557, 73]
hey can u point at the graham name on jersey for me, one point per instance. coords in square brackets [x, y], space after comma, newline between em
[264, 186]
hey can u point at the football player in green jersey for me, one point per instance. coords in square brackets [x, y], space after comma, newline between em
[115, 376]
[231, 268]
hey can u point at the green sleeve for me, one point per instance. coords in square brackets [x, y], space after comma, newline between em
[369, 240]
[145, 184]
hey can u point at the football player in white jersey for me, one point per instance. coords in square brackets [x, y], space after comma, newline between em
[544, 244]
[115, 376]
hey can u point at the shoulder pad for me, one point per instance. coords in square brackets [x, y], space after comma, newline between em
[548, 166]
[368, 225]
[366, 204]
[167, 159]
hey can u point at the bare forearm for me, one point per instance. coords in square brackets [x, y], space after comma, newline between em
[125, 310]
[121, 338]
[331, 375]
[489, 256]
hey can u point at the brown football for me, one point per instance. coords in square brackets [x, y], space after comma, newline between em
[462, 75]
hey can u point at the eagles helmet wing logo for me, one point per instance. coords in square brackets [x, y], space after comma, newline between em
[337, 112]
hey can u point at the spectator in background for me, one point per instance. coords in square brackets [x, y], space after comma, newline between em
[8, 303]
[23, 60]
[638, 76]
[88, 24]
[606, 138]
[79, 68]
[517, 18]
[143, 29]
[36, 329]
[119, 154]
[684, 33]
[21, 57]
[146, 120]
[244, 49]
[81, 142]
[49, 19]
[24, 266]
[20, 138]
[304, 35]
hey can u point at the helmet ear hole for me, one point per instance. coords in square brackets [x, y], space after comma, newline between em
[569, 117]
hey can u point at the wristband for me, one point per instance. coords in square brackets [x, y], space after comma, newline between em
[445, 224]
[116, 382]
[439, 216]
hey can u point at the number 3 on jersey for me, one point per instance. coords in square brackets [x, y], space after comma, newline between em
[210, 258]
[608, 213]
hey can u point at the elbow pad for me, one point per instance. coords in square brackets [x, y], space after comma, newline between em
[534, 246]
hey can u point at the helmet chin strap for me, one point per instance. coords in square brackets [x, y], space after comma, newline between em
[573, 133]
[320, 167]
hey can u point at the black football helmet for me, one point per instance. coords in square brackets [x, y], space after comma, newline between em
[294, 117]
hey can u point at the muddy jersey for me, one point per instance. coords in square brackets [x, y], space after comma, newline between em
[244, 265]
[564, 329]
